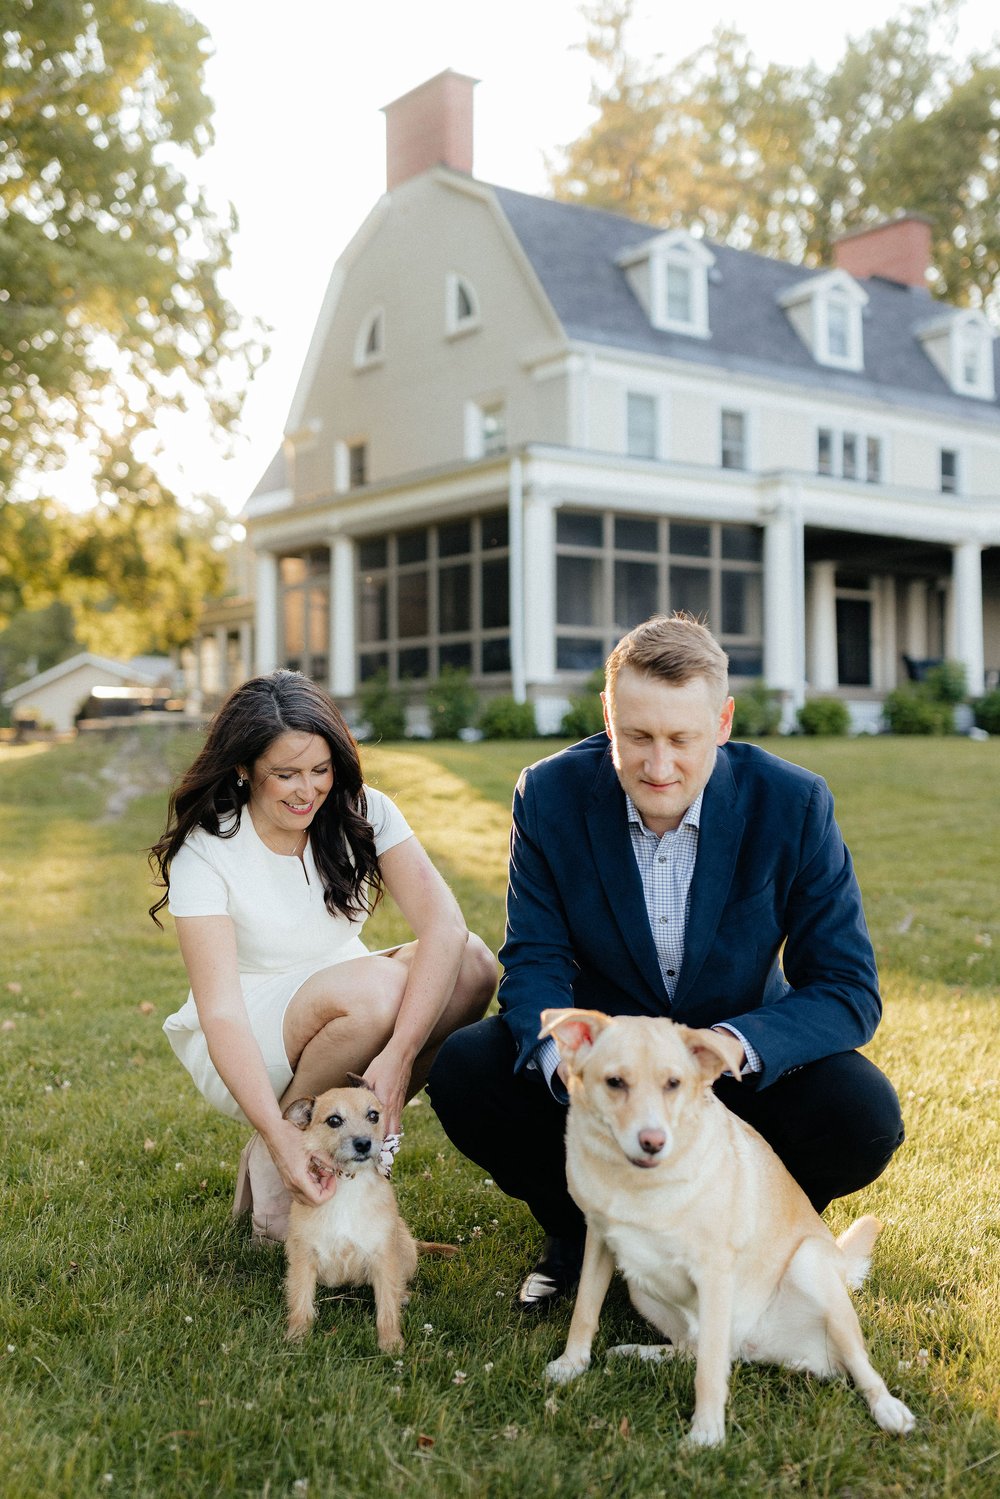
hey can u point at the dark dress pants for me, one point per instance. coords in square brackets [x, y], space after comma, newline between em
[834, 1123]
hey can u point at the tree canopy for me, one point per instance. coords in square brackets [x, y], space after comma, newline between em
[110, 310]
[785, 159]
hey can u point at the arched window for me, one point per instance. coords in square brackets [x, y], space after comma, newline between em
[461, 310]
[369, 347]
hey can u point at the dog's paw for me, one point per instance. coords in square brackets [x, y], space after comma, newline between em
[298, 1330]
[706, 1432]
[892, 1415]
[562, 1370]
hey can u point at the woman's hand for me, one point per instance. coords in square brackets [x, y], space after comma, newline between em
[388, 1076]
[308, 1178]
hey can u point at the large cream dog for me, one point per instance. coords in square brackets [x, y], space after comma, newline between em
[721, 1249]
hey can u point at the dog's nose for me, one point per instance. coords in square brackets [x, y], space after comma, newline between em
[652, 1141]
[362, 1144]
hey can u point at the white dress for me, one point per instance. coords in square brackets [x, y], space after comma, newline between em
[284, 934]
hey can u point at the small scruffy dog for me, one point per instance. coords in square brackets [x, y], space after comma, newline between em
[356, 1237]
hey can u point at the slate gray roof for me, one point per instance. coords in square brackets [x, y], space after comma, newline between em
[574, 251]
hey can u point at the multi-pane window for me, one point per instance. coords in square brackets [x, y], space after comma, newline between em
[849, 455]
[949, 471]
[614, 571]
[642, 421]
[838, 328]
[304, 581]
[434, 596]
[357, 465]
[734, 439]
[494, 429]
[680, 292]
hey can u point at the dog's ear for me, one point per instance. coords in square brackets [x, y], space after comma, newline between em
[715, 1052]
[300, 1112]
[574, 1031]
[355, 1080]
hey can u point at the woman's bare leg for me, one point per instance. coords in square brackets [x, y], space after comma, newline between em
[343, 1016]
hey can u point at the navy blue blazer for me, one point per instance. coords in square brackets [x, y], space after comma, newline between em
[776, 938]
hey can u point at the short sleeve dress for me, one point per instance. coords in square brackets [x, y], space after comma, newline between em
[284, 934]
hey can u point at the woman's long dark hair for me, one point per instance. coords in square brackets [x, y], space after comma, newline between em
[209, 796]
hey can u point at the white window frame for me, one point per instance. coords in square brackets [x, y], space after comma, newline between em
[819, 295]
[365, 358]
[475, 436]
[968, 331]
[656, 256]
[730, 408]
[455, 326]
[861, 437]
[644, 395]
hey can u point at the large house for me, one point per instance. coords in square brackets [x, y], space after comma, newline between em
[523, 426]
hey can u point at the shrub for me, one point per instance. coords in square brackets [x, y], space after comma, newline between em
[946, 683]
[585, 714]
[987, 712]
[383, 707]
[757, 712]
[503, 718]
[451, 703]
[912, 709]
[824, 716]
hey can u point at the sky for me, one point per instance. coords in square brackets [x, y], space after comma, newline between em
[300, 140]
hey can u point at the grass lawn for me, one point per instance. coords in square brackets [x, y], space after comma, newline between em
[141, 1349]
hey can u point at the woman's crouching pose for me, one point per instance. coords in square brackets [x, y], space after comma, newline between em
[275, 852]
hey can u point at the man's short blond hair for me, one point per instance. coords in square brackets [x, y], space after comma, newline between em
[674, 648]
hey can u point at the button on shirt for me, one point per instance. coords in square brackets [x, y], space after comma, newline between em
[666, 864]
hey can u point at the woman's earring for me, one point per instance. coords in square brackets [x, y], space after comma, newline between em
[241, 780]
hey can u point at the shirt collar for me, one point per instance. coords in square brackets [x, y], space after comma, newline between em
[691, 818]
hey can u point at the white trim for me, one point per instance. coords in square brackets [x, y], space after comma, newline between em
[815, 296]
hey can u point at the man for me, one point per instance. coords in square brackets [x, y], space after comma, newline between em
[658, 869]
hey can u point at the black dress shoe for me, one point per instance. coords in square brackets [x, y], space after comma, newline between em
[555, 1274]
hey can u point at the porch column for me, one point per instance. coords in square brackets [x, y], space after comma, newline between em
[267, 611]
[343, 681]
[246, 650]
[515, 531]
[822, 632]
[221, 634]
[886, 667]
[539, 590]
[784, 608]
[967, 597]
[917, 647]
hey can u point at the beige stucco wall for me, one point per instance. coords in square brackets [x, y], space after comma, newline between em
[411, 407]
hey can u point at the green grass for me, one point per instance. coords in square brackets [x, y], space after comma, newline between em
[141, 1349]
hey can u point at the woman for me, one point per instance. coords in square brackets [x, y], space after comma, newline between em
[274, 854]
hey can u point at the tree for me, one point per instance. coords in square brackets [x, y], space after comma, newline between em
[783, 160]
[110, 306]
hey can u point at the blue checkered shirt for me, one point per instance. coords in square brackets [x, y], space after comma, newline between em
[666, 865]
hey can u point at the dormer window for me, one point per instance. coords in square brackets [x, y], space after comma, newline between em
[669, 276]
[825, 312]
[461, 307]
[961, 345]
[369, 347]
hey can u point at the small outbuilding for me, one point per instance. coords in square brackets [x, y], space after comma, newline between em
[53, 699]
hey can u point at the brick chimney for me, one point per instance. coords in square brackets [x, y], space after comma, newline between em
[428, 127]
[898, 250]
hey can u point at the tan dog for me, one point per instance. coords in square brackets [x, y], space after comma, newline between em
[356, 1237]
[721, 1249]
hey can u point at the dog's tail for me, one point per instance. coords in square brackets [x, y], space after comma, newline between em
[446, 1251]
[856, 1246]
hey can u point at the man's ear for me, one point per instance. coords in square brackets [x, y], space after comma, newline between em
[715, 1052]
[300, 1112]
[574, 1032]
